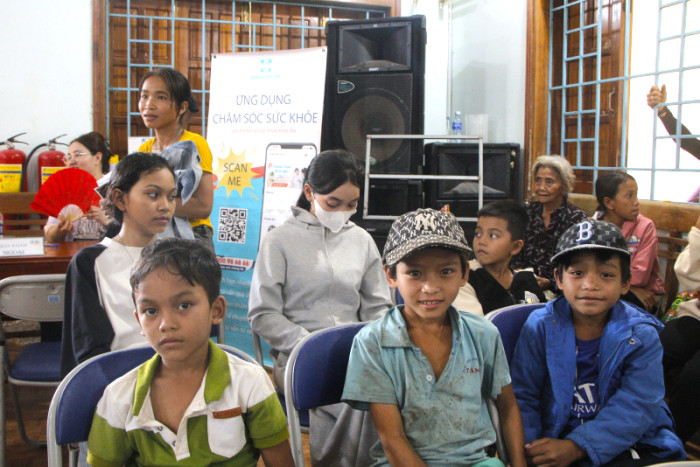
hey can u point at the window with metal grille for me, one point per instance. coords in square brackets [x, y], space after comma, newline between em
[140, 35]
[604, 57]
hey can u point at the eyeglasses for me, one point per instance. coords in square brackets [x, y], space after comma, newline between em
[68, 157]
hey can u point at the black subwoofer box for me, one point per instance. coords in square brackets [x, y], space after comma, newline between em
[502, 177]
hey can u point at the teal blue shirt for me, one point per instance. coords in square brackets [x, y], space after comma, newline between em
[446, 421]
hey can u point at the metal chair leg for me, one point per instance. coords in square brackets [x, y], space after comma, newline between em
[20, 420]
[18, 408]
[3, 440]
[73, 455]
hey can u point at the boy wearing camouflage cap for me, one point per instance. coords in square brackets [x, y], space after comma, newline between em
[424, 370]
[587, 367]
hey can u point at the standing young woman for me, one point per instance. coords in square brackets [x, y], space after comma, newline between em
[98, 309]
[165, 98]
[90, 153]
[316, 271]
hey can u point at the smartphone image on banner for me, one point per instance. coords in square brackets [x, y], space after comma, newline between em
[285, 167]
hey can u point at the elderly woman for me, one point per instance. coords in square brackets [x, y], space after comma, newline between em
[549, 216]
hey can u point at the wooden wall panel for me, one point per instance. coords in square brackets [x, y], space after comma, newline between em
[189, 55]
[537, 63]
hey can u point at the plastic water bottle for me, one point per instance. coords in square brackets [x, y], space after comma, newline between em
[457, 126]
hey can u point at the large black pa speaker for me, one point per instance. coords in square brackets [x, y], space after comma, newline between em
[502, 178]
[375, 84]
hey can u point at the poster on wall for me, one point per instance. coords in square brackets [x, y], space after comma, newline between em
[285, 167]
[265, 108]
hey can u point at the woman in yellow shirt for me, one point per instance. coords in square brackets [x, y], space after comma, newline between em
[164, 101]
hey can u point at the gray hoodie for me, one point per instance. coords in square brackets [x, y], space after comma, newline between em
[308, 278]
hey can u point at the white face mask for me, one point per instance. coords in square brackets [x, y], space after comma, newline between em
[333, 220]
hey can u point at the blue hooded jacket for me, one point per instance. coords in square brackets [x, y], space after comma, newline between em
[631, 385]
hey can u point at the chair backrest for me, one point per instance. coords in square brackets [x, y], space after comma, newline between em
[74, 402]
[677, 464]
[77, 396]
[509, 320]
[257, 348]
[20, 220]
[33, 297]
[397, 296]
[315, 373]
[670, 247]
[315, 376]
[239, 353]
[218, 331]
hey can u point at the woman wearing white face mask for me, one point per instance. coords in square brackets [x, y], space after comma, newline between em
[316, 271]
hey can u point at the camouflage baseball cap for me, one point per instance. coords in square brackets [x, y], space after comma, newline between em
[591, 234]
[424, 228]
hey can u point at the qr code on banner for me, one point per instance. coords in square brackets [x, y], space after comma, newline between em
[232, 225]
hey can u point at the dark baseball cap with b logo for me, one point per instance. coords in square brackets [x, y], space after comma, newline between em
[589, 235]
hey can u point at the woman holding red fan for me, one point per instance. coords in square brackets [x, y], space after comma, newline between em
[90, 153]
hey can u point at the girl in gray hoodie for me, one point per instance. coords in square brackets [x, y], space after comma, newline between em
[316, 271]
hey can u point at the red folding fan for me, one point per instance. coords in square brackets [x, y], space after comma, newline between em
[69, 190]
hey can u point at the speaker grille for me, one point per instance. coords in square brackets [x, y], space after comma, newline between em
[373, 114]
[375, 85]
[377, 104]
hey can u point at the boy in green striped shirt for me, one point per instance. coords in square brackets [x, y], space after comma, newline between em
[192, 403]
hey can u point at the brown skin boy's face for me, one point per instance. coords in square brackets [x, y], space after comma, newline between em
[493, 242]
[590, 286]
[176, 317]
[429, 281]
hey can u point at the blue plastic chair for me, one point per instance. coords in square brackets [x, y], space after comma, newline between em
[39, 298]
[74, 402]
[315, 376]
[509, 321]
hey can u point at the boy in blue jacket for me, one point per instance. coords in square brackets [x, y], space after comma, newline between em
[587, 370]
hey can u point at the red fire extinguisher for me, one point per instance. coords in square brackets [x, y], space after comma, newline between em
[48, 163]
[11, 163]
